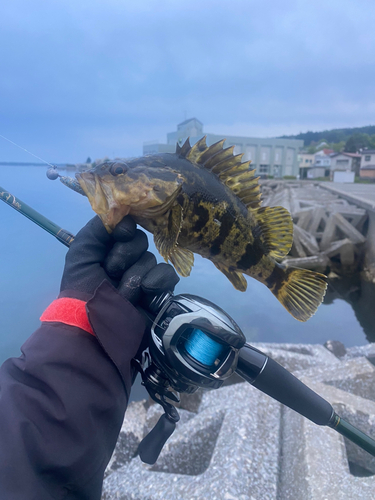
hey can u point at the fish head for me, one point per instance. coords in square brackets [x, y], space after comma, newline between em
[118, 188]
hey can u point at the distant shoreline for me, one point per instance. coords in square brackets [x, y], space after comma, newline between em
[28, 164]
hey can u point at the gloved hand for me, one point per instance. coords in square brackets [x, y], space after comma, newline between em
[121, 258]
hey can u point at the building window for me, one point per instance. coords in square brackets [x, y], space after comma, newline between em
[263, 169]
[368, 158]
[276, 156]
[263, 156]
[342, 162]
[237, 149]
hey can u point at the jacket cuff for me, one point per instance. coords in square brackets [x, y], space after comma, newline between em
[118, 326]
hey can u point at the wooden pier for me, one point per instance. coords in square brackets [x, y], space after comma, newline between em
[329, 231]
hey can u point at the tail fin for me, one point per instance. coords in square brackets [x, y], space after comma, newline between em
[300, 291]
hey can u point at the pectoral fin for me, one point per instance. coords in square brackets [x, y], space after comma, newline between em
[166, 233]
[276, 227]
[236, 278]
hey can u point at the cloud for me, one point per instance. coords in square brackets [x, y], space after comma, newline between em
[80, 76]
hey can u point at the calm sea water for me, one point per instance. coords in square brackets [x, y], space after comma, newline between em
[31, 264]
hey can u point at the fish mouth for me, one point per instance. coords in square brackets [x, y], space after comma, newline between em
[102, 201]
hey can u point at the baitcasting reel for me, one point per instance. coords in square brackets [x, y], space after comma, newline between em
[193, 344]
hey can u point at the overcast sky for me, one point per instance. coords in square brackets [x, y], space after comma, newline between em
[92, 78]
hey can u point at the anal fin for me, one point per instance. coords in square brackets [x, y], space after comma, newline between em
[237, 279]
[182, 260]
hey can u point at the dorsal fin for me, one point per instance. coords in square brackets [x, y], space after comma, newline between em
[185, 148]
[228, 167]
[196, 151]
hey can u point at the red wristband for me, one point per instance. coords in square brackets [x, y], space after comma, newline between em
[68, 311]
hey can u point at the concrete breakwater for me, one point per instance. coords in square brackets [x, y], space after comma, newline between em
[236, 443]
[329, 231]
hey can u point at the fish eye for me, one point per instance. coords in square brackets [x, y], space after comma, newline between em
[118, 169]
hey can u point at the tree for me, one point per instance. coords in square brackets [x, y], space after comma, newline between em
[88, 160]
[357, 142]
[338, 146]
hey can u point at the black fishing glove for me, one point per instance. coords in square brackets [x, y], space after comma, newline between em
[120, 258]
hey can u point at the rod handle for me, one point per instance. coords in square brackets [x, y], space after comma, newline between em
[271, 378]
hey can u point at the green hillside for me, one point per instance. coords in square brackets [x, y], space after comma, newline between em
[332, 136]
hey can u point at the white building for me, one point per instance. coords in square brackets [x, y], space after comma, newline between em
[275, 157]
[345, 162]
[322, 164]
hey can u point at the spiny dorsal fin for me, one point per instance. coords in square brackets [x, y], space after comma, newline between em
[197, 150]
[185, 148]
[276, 230]
[227, 166]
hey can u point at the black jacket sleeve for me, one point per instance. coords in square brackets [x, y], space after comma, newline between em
[62, 403]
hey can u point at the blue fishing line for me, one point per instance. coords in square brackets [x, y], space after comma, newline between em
[203, 348]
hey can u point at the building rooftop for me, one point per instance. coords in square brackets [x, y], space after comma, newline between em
[352, 155]
[189, 120]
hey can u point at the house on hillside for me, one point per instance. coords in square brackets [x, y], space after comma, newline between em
[367, 169]
[349, 162]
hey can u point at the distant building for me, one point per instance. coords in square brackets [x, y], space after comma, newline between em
[367, 163]
[322, 164]
[349, 162]
[305, 162]
[275, 157]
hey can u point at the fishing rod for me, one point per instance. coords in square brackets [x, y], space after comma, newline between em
[61, 234]
[193, 344]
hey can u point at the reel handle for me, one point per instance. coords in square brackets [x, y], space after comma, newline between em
[150, 447]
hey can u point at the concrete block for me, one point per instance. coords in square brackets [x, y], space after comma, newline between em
[307, 240]
[367, 350]
[329, 233]
[344, 248]
[317, 262]
[318, 217]
[296, 357]
[318, 463]
[356, 376]
[304, 217]
[297, 249]
[350, 231]
[242, 445]
[131, 434]
[219, 454]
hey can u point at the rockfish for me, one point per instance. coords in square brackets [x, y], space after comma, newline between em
[205, 200]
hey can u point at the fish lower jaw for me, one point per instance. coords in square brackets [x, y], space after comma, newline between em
[111, 218]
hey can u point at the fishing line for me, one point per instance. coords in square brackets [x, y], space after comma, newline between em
[203, 348]
[30, 153]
